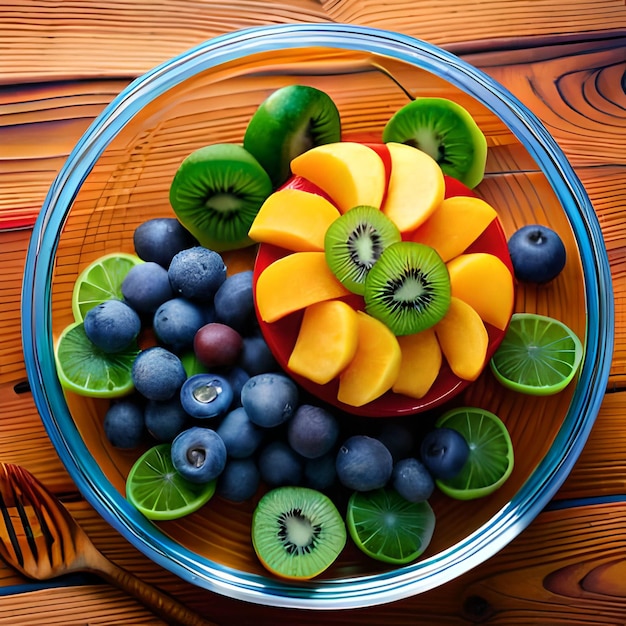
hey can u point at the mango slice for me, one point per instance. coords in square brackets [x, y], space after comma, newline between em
[350, 173]
[294, 219]
[485, 283]
[416, 186]
[294, 282]
[375, 366]
[420, 365]
[455, 225]
[326, 342]
[463, 339]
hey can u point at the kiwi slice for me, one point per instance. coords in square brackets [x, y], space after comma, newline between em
[446, 131]
[297, 532]
[217, 192]
[408, 288]
[355, 241]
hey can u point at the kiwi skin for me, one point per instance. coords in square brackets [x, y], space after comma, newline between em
[408, 288]
[446, 131]
[217, 192]
[297, 532]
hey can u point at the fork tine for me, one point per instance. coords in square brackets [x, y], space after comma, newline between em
[28, 531]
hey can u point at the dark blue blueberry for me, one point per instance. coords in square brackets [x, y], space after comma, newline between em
[280, 465]
[537, 253]
[164, 420]
[206, 395]
[363, 463]
[320, 473]
[112, 325]
[398, 438]
[256, 356]
[237, 377]
[199, 454]
[444, 451]
[146, 286]
[241, 437]
[239, 481]
[159, 239]
[158, 374]
[234, 302]
[197, 273]
[412, 480]
[312, 431]
[124, 424]
[269, 399]
[176, 322]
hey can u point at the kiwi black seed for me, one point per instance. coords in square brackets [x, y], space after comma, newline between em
[355, 241]
[408, 289]
[297, 532]
[446, 131]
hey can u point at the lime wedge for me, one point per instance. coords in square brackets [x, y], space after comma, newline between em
[101, 280]
[387, 527]
[539, 355]
[490, 460]
[88, 371]
[159, 492]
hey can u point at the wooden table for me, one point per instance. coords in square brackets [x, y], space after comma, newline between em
[62, 62]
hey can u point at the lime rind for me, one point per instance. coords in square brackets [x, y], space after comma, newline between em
[389, 528]
[491, 458]
[159, 492]
[539, 355]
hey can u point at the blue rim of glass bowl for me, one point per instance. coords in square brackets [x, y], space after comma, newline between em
[418, 577]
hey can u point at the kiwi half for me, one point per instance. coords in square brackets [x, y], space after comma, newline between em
[297, 532]
[355, 241]
[446, 131]
[408, 288]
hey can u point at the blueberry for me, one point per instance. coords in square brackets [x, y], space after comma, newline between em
[164, 420]
[320, 473]
[112, 325]
[124, 424]
[444, 452]
[363, 463]
[237, 377]
[157, 373]
[269, 399]
[159, 239]
[176, 323]
[234, 302]
[312, 431]
[412, 480]
[197, 273]
[146, 286]
[206, 395]
[239, 481]
[256, 356]
[280, 465]
[537, 253]
[241, 437]
[398, 438]
[217, 345]
[198, 454]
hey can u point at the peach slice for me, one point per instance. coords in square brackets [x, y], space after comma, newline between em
[375, 366]
[326, 342]
[294, 282]
[420, 365]
[455, 225]
[416, 186]
[463, 339]
[484, 282]
[294, 219]
[350, 173]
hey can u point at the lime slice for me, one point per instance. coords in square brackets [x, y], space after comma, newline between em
[100, 281]
[389, 528]
[539, 355]
[490, 460]
[86, 370]
[159, 492]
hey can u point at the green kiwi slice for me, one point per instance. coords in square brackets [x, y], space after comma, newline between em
[297, 532]
[446, 131]
[355, 241]
[408, 288]
[217, 192]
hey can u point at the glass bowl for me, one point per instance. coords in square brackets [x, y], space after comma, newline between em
[118, 176]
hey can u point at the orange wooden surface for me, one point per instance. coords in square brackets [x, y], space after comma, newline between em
[61, 63]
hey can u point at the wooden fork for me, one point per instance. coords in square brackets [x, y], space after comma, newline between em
[40, 539]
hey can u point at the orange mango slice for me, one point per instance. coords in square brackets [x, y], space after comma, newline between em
[326, 342]
[294, 219]
[375, 366]
[420, 365]
[463, 339]
[485, 283]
